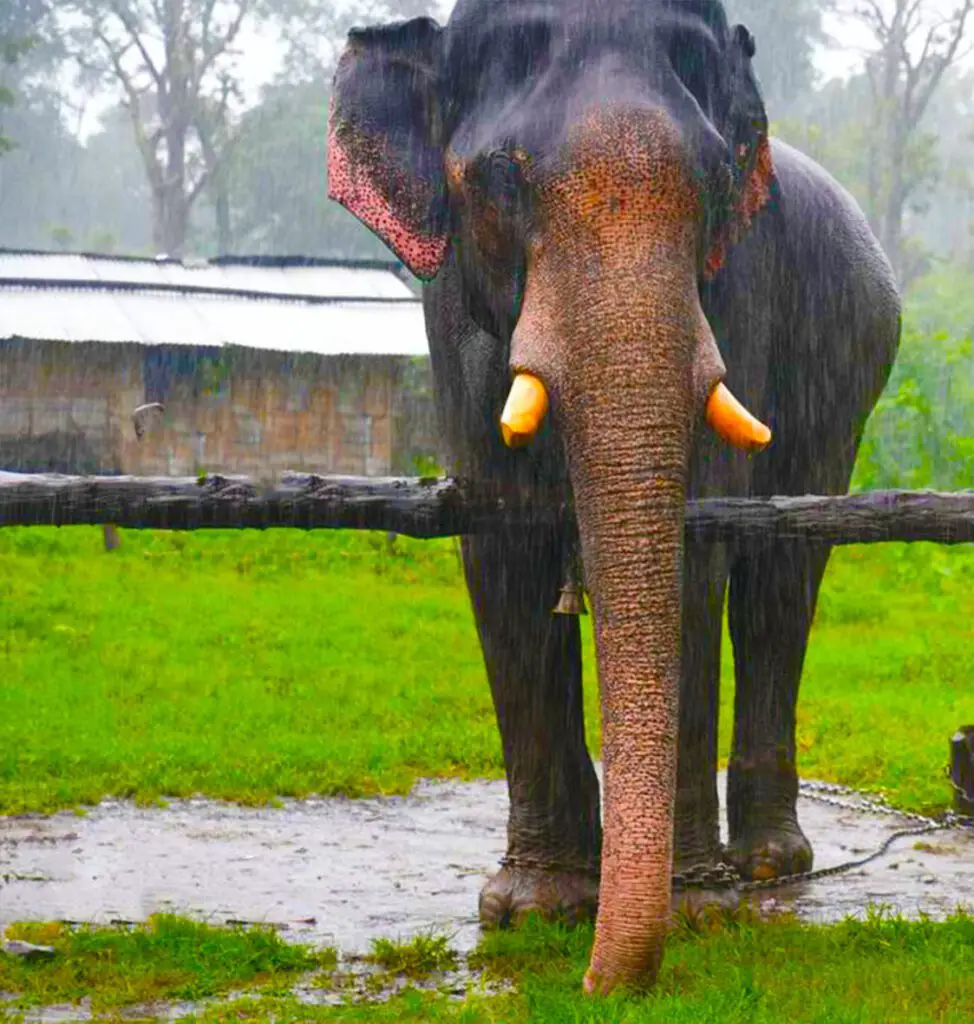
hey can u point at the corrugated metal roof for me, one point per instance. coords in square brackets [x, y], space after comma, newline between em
[291, 305]
[325, 279]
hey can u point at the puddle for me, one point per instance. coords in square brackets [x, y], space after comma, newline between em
[342, 872]
[358, 982]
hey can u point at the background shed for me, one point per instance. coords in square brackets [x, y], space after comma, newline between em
[263, 364]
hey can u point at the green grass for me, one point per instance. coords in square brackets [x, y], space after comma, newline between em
[728, 970]
[888, 674]
[411, 1005]
[879, 970]
[247, 665]
[167, 958]
[419, 957]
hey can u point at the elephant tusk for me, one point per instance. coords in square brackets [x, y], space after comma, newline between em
[527, 405]
[734, 423]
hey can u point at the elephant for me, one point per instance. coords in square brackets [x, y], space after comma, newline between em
[634, 296]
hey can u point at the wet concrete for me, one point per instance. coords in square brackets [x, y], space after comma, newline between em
[342, 872]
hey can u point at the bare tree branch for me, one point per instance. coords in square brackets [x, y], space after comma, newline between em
[914, 47]
[222, 45]
[148, 145]
[128, 23]
[942, 64]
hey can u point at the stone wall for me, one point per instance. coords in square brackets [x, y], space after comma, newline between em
[67, 407]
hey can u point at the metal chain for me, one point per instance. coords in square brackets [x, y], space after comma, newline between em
[725, 876]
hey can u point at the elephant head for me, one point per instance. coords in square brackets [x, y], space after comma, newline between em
[588, 162]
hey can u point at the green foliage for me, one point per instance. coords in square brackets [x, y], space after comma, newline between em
[278, 182]
[58, 193]
[411, 1005]
[921, 434]
[11, 50]
[62, 237]
[745, 972]
[729, 969]
[240, 665]
[234, 663]
[739, 970]
[420, 957]
[168, 957]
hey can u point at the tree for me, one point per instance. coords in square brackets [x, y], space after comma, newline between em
[56, 192]
[315, 32]
[173, 63]
[271, 196]
[913, 44]
[21, 27]
[277, 181]
[9, 51]
[948, 227]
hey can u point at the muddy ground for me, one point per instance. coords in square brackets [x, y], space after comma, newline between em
[345, 871]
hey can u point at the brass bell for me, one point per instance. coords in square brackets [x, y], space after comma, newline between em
[571, 600]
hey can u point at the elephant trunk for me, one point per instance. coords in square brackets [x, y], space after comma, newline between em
[629, 491]
[624, 385]
[611, 331]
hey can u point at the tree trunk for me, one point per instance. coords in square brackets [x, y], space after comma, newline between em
[221, 209]
[170, 220]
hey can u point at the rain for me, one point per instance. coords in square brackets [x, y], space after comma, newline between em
[247, 246]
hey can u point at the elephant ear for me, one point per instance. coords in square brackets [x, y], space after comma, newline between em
[746, 133]
[384, 162]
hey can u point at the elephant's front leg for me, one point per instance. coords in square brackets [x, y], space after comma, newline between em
[697, 818]
[534, 664]
[773, 592]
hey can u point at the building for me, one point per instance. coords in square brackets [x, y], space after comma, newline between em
[262, 365]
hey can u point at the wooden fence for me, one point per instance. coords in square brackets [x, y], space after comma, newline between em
[449, 507]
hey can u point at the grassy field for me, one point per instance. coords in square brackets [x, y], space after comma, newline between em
[167, 958]
[875, 971]
[249, 665]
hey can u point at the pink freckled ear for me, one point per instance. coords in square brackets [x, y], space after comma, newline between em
[351, 185]
[757, 189]
[385, 159]
[760, 184]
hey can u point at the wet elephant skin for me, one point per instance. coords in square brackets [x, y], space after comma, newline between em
[590, 195]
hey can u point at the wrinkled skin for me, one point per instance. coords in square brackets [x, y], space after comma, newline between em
[588, 189]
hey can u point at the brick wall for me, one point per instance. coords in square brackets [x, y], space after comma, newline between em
[67, 407]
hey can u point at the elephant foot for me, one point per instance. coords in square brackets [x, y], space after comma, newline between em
[766, 840]
[764, 853]
[514, 893]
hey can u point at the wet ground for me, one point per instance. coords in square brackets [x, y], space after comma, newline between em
[342, 872]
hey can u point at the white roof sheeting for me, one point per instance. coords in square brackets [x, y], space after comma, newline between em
[329, 309]
[320, 279]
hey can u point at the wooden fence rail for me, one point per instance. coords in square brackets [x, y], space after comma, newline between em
[447, 507]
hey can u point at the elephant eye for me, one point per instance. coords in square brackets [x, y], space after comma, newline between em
[502, 178]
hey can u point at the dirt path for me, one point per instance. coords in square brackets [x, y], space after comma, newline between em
[345, 871]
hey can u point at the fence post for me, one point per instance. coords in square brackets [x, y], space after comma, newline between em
[962, 769]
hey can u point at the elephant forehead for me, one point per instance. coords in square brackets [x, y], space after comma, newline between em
[619, 171]
[619, 153]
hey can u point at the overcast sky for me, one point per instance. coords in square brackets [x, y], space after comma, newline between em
[261, 56]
